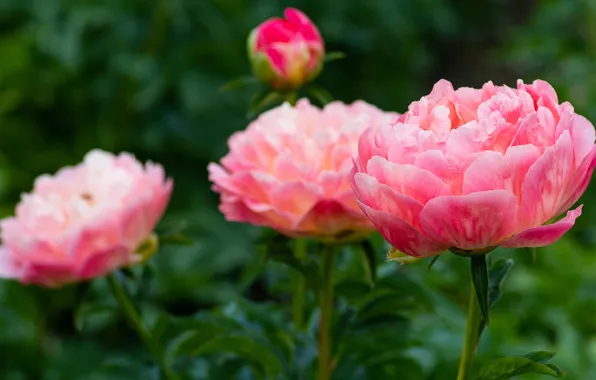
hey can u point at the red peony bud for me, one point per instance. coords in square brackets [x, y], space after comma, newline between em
[286, 53]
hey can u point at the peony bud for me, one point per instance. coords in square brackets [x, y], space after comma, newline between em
[286, 53]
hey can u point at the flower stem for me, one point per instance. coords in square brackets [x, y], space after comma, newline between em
[135, 320]
[326, 312]
[291, 97]
[299, 285]
[471, 339]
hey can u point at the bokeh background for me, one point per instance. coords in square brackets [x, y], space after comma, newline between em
[144, 76]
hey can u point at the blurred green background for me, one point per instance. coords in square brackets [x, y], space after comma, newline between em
[144, 76]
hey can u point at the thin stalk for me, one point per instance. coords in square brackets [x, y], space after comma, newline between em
[326, 313]
[135, 320]
[468, 352]
[299, 286]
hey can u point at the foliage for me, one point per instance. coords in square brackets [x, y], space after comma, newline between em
[123, 75]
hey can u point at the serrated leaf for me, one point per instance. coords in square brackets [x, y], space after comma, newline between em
[238, 83]
[334, 56]
[479, 272]
[497, 275]
[370, 260]
[508, 367]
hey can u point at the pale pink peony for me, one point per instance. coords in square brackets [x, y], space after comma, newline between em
[84, 221]
[469, 170]
[289, 170]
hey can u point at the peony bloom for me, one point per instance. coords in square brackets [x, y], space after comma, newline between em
[286, 53]
[289, 170]
[469, 170]
[84, 221]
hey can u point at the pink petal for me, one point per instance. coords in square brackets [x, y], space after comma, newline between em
[464, 141]
[519, 159]
[329, 218]
[580, 181]
[583, 136]
[402, 235]
[488, 172]
[544, 235]
[285, 168]
[295, 198]
[103, 262]
[9, 268]
[381, 197]
[472, 221]
[408, 180]
[277, 57]
[51, 275]
[307, 29]
[544, 187]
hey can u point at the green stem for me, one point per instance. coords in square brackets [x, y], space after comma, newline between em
[299, 285]
[468, 352]
[135, 320]
[292, 98]
[326, 313]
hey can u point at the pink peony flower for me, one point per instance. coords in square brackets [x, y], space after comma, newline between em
[289, 170]
[84, 221]
[469, 170]
[286, 53]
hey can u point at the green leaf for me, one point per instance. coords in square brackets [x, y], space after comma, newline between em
[370, 260]
[238, 83]
[497, 275]
[479, 274]
[246, 347]
[262, 100]
[334, 56]
[93, 315]
[320, 94]
[432, 262]
[175, 238]
[253, 270]
[308, 270]
[508, 367]
[540, 356]
[383, 303]
[277, 248]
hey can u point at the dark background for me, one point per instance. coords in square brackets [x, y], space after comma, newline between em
[144, 77]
